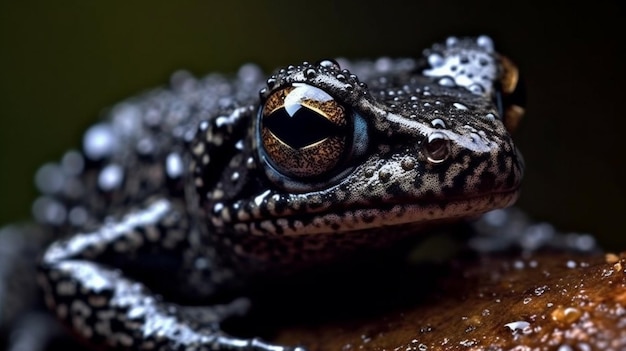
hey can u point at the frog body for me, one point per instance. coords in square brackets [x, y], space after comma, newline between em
[198, 189]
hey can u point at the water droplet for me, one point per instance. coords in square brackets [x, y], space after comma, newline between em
[566, 315]
[240, 145]
[328, 63]
[485, 42]
[72, 163]
[452, 41]
[496, 218]
[49, 178]
[126, 119]
[438, 123]
[540, 290]
[537, 235]
[383, 64]
[182, 80]
[218, 207]
[459, 106]
[476, 89]
[110, 177]
[99, 141]
[174, 165]
[310, 73]
[581, 242]
[517, 326]
[435, 60]
[490, 116]
[447, 82]
[78, 216]
[48, 210]
[201, 263]
[145, 146]
[249, 73]
[527, 300]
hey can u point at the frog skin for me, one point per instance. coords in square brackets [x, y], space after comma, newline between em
[192, 192]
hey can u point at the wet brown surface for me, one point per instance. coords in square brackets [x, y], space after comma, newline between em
[540, 301]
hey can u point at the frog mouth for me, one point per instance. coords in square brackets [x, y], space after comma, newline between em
[391, 215]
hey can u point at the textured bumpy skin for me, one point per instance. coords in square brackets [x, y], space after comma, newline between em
[182, 183]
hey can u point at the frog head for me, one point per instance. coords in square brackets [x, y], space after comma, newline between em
[371, 153]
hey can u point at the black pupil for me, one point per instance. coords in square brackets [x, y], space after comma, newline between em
[301, 128]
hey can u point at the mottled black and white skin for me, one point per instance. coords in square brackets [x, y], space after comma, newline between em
[194, 191]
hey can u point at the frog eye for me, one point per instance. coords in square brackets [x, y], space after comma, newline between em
[437, 147]
[303, 131]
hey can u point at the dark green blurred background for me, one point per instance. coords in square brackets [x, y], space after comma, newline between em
[62, 62]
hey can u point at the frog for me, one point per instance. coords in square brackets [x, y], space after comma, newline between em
[182, 198]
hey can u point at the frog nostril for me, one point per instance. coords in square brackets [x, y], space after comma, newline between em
[437, 147]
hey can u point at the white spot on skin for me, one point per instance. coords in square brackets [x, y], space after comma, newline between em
[97, 301]
[80, 308]
[198, 149]
[225, 214]
[269, 226]
[66, 288]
